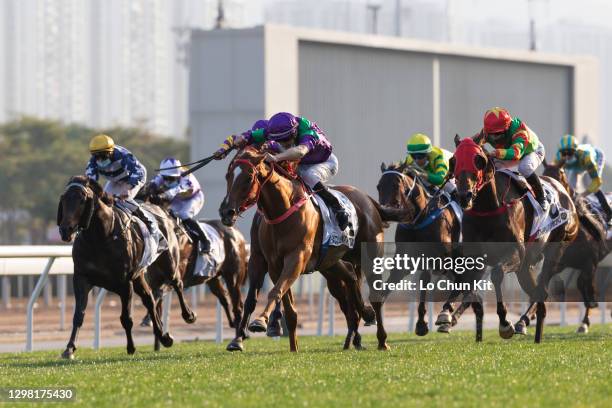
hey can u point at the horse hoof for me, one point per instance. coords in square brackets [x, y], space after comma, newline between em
[146, 322]
[369, 316]
[235, 345]
[166, 340]
[421, 329]
[444, 328]
[274, 330]
[583, 329]
[131, 350]
[506, 332]
[258, 325]
[520, 328]
[444, 318]
[384, 347]
[190, 318]
[68, 354]
[359, 347]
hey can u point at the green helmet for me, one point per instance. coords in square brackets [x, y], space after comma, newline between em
[419, 143]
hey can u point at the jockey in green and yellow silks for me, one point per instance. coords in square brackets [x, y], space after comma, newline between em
[431, 161]
[583, 158]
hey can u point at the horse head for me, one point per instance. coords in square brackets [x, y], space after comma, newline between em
[246, 175]
[76, 206]
[471, 168]
[556, 171]
[397, 187]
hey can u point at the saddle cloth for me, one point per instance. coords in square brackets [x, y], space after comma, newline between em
[332, 236]
[543, 223]
[596, 206]
[154, 243]
[207, 264]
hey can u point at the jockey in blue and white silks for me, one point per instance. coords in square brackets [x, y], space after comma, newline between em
[124, 174]
[185, 196]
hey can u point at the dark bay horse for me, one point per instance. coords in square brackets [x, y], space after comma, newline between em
[291, 233]
[426, 222]
[106, 253]
[588, 249]
[497, 210]
[232, 271]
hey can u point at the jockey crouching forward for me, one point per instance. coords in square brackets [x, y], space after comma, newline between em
[430, 162]
[185, 196]
[577, 159]
[125, 175]
[515, 145]
[297, 139]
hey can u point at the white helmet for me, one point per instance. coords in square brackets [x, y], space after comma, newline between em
[170, 162]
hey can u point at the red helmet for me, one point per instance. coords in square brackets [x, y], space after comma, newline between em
[496, 120]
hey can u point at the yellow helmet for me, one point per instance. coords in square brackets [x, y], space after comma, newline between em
[101, 143]
[419, 143]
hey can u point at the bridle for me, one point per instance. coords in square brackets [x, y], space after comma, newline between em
[257, 187]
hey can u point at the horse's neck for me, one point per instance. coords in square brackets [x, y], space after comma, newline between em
[420, 200]
[487, 199]
[102, 223]
[276, 196]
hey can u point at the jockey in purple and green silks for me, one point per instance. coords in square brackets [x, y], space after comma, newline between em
[295, 138]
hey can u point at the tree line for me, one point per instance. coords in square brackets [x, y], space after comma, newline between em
[38, 156]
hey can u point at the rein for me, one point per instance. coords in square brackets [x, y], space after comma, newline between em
[247, 203]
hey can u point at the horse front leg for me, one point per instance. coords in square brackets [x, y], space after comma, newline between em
[257, 269]
[506, 329]
[217, 289]
[81, 295]
[421, 328]
[291, 318]
[126, 315]
[142, 289]
[585, 286]
[293, 266]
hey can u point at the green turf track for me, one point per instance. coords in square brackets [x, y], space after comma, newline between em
[437, 370]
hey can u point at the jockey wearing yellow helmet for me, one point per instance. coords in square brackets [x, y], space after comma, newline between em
[579, 158]
[124, 174]
[430, 161]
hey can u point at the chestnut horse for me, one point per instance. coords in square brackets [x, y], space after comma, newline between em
[496, 209]
[291, 233]
[589, 248]
[107, 252]
[400, 187]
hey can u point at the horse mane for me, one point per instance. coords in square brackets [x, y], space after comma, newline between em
[94, 186]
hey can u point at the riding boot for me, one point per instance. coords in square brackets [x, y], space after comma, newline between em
[195, 227]
[605, 206]
[342, 216]
[536, 184]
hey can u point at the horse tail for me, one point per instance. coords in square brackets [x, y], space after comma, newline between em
[389, 214]
[589, 220]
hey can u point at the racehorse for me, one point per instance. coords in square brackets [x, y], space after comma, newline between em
[588, 249]
[496, 210]
[426, 222]
[291, 233]
[106, 253]
[232, 270]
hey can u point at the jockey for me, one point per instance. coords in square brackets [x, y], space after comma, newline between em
[431, 162]
[125, 175]
[581, 158]
[297, 138]
[515, 144]
[185, 196]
